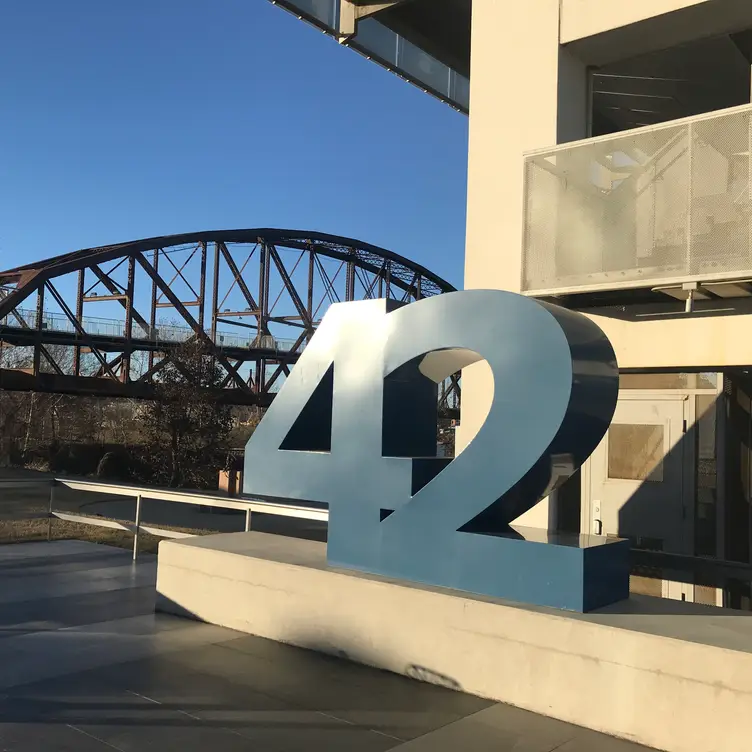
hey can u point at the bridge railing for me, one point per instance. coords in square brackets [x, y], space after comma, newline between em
[24, 318]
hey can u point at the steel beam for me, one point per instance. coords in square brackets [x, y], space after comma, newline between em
[183, 311]
[121, 298]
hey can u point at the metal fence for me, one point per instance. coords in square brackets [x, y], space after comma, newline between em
[658, 205]
[244, 504]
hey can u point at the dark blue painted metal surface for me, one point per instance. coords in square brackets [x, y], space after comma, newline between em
[354, 427]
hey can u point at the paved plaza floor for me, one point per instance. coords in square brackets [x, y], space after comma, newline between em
[86, 665]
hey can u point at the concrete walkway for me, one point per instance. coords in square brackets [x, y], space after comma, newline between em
[86, 665]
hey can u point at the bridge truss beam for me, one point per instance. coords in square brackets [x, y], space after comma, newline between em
[253, 297]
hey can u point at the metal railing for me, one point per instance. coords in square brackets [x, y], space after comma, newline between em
[244, 504]
[25, 318]
[654, 206]
[683, 568]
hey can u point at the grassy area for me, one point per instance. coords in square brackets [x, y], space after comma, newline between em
[26, 531]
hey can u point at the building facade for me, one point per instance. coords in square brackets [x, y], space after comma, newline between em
[609, 166]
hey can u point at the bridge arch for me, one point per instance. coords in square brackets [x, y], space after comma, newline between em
[254, 296]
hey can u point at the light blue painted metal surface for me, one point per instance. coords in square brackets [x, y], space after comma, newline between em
[354, 426]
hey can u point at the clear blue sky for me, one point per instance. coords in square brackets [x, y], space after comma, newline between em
[123, 120]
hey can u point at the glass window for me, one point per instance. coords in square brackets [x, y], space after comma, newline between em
[635, 452]
[322, 10]
[423, 67]
[376, 39]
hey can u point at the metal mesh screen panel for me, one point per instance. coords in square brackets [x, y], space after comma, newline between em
[719, 224]
[671, 203]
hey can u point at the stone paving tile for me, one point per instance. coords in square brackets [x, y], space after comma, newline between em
[86, 665]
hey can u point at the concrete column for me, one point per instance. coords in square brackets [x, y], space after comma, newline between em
[526, 92]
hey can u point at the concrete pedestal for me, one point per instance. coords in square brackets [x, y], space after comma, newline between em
[671, 675]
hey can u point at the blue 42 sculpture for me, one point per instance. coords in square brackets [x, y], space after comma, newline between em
[354, 426]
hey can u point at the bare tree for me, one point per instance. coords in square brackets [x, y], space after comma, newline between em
[186, 429]
[38, 425]
[183, 435]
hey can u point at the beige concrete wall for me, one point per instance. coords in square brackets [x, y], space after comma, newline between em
[694, 341]
[674, 676]
[584, 18]
[525, 93]
[514, 103]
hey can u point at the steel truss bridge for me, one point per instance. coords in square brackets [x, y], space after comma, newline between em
[253, 297]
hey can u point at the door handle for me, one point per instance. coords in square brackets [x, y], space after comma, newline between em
[597, 527]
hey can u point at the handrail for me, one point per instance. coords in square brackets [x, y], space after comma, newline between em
[246, 504]
[632, 132]
[282, 509]
[53, 321]
[682, 565]
[679, 564]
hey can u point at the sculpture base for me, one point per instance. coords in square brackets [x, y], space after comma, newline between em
[668, 674]
[538, 568]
